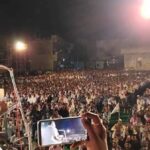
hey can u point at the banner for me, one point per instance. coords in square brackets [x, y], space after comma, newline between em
[116, 109]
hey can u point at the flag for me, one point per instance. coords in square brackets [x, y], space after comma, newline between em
[116, 109]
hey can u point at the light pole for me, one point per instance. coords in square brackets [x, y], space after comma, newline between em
[20, 48]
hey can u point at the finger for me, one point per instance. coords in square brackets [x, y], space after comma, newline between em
[77, 144]
[97, 123]
[87, 125]
[102, 131]
[94, 117]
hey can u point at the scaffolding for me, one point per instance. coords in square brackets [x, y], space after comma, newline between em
[18, 105]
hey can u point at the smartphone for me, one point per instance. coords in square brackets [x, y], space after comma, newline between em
[61, 131]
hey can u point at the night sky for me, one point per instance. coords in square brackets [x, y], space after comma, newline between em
[73, 19]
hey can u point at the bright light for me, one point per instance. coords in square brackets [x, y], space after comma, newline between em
[68, 130]
[20, 46]
[145, 9]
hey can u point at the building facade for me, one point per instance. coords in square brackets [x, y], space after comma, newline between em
[41, 54]
[136, 58]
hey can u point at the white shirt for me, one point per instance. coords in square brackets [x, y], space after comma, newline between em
[32, 100]
[49, 135]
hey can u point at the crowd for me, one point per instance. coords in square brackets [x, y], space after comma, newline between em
[63, 94]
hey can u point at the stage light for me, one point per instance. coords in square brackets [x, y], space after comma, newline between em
[145, 9]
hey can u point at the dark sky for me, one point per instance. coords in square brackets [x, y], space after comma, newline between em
[73, 19]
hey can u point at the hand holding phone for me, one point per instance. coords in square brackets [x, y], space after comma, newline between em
[61, 131]
[96, 131]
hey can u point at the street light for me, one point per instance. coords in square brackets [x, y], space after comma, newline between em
[145, 9]
[20, 46]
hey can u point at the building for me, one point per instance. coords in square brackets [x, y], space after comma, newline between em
[41, 54]
[136, 58]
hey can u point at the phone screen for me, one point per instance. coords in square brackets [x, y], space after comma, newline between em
[61, 131]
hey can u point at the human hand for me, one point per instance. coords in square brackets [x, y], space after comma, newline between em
[96, 131]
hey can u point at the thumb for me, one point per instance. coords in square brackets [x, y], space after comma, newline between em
[75, 145]
[90, 130]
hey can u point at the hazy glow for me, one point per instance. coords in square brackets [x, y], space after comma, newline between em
[145, 9]
[68, 130]
[20, 46]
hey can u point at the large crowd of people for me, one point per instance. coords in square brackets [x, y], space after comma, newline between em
[71, 93]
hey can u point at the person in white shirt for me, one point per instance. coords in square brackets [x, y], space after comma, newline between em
[32, 99]
[50, 135]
